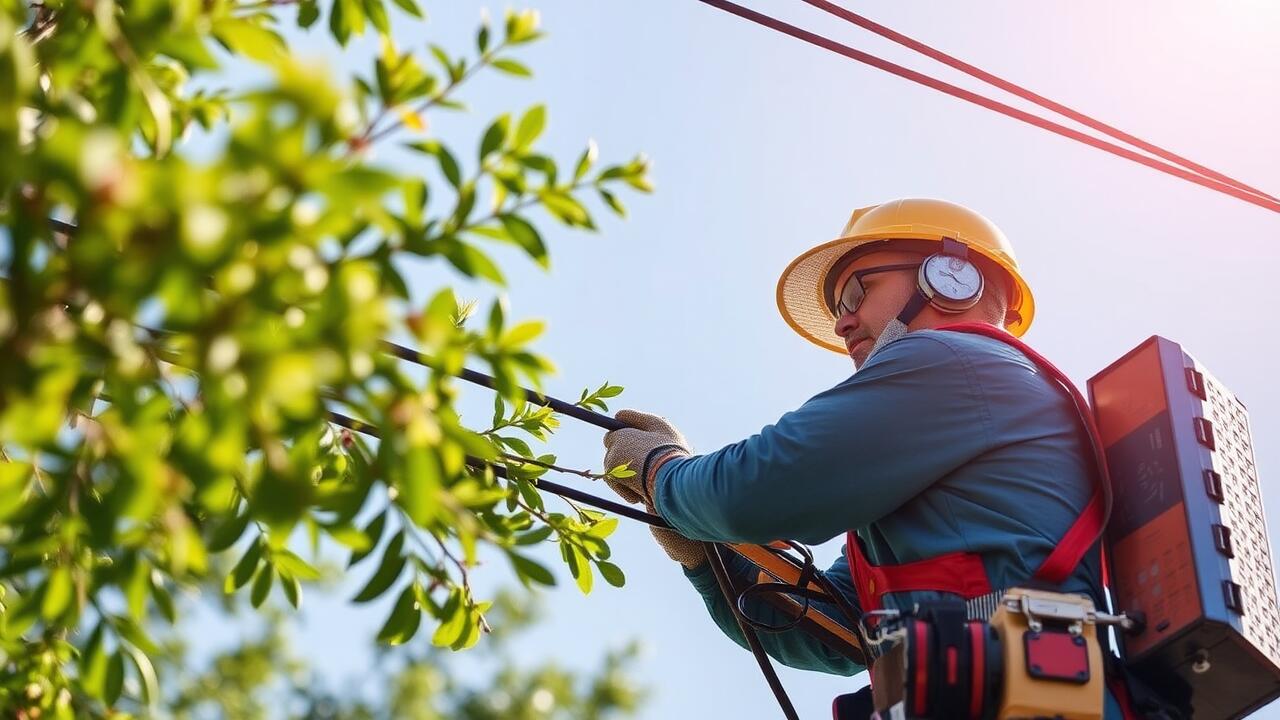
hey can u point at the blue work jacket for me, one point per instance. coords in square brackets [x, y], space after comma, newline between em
[942, 442]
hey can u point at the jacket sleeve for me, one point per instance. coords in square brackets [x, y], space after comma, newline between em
[792, 648]
[844, 459]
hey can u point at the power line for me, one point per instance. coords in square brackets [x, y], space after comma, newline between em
[1264, 201]
[1015, 89]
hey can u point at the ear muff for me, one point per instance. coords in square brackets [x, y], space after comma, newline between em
[948, 280]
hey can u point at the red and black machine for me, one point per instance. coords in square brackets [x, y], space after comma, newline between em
[1187, 534]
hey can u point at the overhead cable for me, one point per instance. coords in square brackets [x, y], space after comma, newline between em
[1264, 201]
[1015, 89]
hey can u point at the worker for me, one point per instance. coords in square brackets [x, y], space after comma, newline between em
[953, 451]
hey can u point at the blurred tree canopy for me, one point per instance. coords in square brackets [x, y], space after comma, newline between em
[177, 326]
[263, 678]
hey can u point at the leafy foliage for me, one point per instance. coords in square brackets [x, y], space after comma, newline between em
[263, 677]
[176, 327]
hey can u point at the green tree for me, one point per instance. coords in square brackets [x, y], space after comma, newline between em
[263, 678]
[176, 328]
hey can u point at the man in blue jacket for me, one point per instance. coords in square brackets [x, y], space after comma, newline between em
[941, 444]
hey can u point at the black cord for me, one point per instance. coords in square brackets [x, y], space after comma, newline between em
[714, 557]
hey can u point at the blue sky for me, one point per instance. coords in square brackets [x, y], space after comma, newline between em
[761, 148]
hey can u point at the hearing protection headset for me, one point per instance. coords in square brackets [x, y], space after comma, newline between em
[948, 280]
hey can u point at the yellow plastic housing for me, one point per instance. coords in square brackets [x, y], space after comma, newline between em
[1025, 696]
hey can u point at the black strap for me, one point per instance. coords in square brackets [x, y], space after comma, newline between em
[809, 573]
[913, 307]
[780, 588]
[951, 639]
[714, 557]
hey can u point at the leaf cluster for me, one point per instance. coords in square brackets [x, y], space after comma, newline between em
[178, 320]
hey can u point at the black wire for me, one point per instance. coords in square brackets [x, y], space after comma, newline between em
[827, 592]
[478, 378]
[712, 551]
[714, 557]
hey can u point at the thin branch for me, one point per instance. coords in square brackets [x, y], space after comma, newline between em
[571, 471]
[373, 134]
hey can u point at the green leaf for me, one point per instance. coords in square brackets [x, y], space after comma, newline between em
[482, 39]
[526, 236]
[133, 632]
[146, 675]
[136, 587]
[93, 663]
[530, 495]
[586, 161]
[393, 562]
[228, 532]
[262, 585]
[603, 528]
[614, 203]
[410, 7]
[308, 13]
[377, 14]
[520, 447]
[404, 619]
[497, 318]
[448, 164]
[164, 601]
[511, 67]
[349, 536]
[373, 531]
[346, 19]
[57, 594]
[441, 56]
[522, 334]
[579, 566]
[246, 37]
[536, 535]
[611, 573]
[288, 562]
[113, 685]
[565, 208]
[471, 262]
[531, 126]
[243, 571]
[15, 487]
[453, 620]
[528, 569]
[494, 136]
[292, 590]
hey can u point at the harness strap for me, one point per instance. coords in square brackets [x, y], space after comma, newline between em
[959, 573]
[962, 573]
[1088, 527]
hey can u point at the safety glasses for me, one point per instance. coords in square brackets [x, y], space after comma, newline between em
[852, 294]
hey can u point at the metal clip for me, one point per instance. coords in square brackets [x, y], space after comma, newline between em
[1037, 610]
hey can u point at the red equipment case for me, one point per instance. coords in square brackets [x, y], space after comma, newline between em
[1188, 535]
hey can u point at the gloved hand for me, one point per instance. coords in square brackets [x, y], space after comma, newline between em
[641, 447]
[649, 439]
[687, 552]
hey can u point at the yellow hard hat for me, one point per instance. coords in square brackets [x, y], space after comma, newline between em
[801, 288]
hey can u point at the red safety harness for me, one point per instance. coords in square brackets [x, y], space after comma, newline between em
[962, 573]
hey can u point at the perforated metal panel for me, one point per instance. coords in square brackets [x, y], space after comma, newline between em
[1242, 515]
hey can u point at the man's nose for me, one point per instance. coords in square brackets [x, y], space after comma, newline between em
[846, 324]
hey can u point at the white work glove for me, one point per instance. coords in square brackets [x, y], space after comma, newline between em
[642, 447]
[648, 439]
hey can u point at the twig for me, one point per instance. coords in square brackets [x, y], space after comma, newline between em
[571, 471]
[373, 134]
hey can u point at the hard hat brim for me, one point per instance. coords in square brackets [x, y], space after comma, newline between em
[800, 288]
